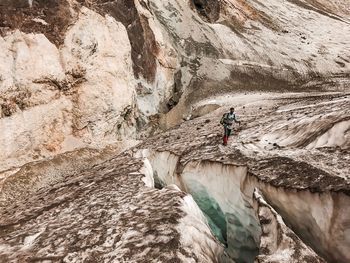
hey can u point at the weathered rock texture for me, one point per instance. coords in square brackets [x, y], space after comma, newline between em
[53, 100]
[80, 73]
[108, 213]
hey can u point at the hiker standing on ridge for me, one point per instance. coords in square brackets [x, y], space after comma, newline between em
[227, 121]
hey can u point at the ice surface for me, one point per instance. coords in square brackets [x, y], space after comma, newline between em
[216, 190]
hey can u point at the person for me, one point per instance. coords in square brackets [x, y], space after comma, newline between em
[227, 121]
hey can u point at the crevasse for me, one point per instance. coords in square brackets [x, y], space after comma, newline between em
[224, 194]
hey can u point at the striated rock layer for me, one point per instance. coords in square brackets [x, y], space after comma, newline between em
[79, 73]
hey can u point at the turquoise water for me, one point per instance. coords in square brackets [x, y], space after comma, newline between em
[211, 210]
[230, 228]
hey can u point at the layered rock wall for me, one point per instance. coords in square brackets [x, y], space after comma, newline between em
[58, 99]
[115, 66]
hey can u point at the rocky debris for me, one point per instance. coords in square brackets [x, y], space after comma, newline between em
[105, 213]
[286, 172]
[278, 243]
[14, 183]
[202, 110]
[75, 51]
[286, 176]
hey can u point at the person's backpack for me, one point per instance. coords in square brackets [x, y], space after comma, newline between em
[223, 119]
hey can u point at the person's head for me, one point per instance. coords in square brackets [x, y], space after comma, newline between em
[232, 110]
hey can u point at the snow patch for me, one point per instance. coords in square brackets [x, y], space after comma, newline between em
[29, 240]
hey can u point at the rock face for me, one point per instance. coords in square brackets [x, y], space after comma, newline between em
[89, 75]
[82, 82]
[53, 99]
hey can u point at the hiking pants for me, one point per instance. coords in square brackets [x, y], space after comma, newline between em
[227, 134]
[227, 131]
